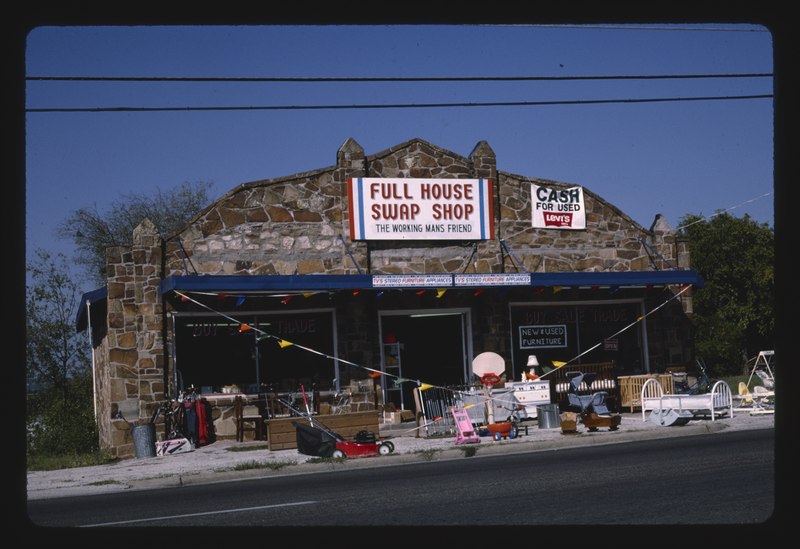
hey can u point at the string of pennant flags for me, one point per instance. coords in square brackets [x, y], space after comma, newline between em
[373, 373]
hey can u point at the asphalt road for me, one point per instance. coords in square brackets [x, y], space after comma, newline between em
[722, 478]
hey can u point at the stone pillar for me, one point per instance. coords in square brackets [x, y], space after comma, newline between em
[135, 366]
[484, 166]
[350, 162]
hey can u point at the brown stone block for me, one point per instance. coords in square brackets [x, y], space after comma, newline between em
[231, 217]
[128, 357]
[419, 172]
[116, 390]
[457, 169]
[628, 254]
[305, 216]
[126, 340]
[307, 266]
[426, 161]
[278, 215]
[256, 215]
[211, 226]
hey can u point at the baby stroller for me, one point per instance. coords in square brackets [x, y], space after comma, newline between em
[592, 408]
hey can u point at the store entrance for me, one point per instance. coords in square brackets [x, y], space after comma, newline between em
[427, 346]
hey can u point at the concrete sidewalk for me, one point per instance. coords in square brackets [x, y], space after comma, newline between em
[219, 461]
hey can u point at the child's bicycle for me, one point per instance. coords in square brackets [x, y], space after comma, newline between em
[701, 385]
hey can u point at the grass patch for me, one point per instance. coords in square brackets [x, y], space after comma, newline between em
[38, 462]
[469, 451]
[248, 448]
[273, 465]
[427, 454]
[104, 482]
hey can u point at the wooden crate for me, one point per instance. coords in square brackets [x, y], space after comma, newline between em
[630, 388]
[282, 435]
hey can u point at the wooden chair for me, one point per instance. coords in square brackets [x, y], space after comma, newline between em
[247, 422]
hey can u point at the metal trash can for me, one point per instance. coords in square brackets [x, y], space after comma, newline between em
[548, 416]
[144, 440]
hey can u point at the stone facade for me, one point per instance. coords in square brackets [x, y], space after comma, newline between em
[300, 225]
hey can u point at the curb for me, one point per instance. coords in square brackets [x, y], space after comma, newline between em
[448, 453]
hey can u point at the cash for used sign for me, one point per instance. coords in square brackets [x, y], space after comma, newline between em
[557, 208]
[420, 209]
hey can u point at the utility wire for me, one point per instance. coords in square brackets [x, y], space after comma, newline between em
[388, 78]
[399, 105]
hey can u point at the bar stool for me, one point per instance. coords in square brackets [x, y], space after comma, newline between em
[247, 422]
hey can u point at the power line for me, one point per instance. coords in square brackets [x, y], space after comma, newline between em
[315, 79]
[401, 105]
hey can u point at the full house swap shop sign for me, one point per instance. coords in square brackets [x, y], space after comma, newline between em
[420, 209]
[554, 208]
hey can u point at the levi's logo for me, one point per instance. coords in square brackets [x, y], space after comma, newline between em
[552, 219]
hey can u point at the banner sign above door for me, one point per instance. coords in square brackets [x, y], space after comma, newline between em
[557, 208]
[420, 209]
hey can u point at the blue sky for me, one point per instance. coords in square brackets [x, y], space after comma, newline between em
[671, 158]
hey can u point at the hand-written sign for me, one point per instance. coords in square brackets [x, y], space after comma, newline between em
[556, 208]
[420, 209]
[542, 336]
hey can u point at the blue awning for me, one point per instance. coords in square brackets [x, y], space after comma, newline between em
[255, 284]
[96, 300]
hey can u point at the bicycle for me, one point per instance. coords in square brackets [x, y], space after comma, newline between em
[701, 385]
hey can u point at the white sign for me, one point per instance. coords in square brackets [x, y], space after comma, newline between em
[420, 209]
[405, 281]
[512, 279]
[557, 208]
[543, 336]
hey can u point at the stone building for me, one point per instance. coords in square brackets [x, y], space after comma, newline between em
[411, 260]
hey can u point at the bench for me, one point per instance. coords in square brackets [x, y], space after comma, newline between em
[606, 380]
[719, 400]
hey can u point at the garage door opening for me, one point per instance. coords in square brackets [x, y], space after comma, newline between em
[427, 346]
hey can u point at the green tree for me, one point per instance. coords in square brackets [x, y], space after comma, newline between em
[60, 409]
[54, 351]
[734, 312]
[93, 231]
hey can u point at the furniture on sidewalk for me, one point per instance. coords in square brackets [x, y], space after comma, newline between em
[718, 401]
[248, 419]
[630, 388]
[591, 407]
[605, 380]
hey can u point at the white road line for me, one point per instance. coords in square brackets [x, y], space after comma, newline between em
[241, 510]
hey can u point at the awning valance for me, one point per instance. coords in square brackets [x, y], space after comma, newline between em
[299, 283]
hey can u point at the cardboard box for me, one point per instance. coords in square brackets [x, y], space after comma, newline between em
[391, 418]
[407, 415]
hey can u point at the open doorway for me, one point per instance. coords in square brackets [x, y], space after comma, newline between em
[428, 346]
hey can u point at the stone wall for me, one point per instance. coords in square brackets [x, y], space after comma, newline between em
[300, 225]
